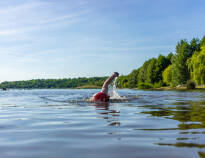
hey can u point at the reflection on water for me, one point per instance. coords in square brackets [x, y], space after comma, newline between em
[60, 123]
[181, 144]
[105, 112]
[202, 155]
[190, 115]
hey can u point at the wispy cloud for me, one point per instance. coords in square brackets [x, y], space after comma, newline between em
[9, 32]
[50, 36]
[20, 8]
[63, 17]
[28, 17]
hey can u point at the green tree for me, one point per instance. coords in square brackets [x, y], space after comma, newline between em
[132, 77]
[196, 65]
[161, 63]
[194, 46]
[167, 75]
[169, 57]
[180, 73]
[150, 73]
[142, 73]
[202, 42]
[123, 82]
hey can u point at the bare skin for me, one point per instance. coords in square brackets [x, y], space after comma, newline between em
[106, 84]
[108, 81]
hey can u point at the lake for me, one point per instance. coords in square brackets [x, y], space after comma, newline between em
[61, 124]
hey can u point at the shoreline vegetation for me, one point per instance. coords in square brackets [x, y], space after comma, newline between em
[23, 85]
[167, 88]
[184, 69]
[83, 83]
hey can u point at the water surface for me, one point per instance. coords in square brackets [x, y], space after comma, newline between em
[60, 124]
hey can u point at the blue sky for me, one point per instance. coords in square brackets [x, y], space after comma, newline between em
[83, 38]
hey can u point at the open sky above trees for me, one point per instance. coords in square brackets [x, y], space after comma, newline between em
[83, 38]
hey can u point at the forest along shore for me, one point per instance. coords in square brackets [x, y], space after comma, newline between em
[184, 67]
[201, 87]
[180, 70]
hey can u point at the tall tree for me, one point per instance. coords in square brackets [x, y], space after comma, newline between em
[167, 75]
[180, 73]
[161, 63]
[132, 77]
[142, 73]
[196, 66]
[169, 57]
[202, 42]
[123, 81]
[151, 74]
[194, 46]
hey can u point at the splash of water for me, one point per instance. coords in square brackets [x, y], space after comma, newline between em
[113, 91]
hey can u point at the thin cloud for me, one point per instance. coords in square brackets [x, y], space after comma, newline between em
[22, 7]
[9, 32]
[64, 17]
[28, 17]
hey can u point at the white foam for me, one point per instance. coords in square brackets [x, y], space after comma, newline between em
[113, 91]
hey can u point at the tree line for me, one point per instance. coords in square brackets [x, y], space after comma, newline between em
[187, 63]
[55, 83]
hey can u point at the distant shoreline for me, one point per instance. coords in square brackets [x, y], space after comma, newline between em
[99, 87]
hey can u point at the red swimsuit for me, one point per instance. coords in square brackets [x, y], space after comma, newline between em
[100, 96]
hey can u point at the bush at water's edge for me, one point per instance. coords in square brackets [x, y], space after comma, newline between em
[145, 86]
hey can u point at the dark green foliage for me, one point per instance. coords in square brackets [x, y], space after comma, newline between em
[184, 51]
[150, 76]
[167, 75]
[129, 81]
[55, 83]
[177, 73]
[202, 42]
[150, 73]
[142, 76]
[169, 57]
[158, 84]
[122, 82]
[174, 66]
[161, 64]
[194, 46]
[145, 85]
[173, 69]
[196, 65]
[191, 84]
[132, 77]
[180, 73]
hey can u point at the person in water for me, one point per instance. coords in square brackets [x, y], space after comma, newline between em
[103, 95]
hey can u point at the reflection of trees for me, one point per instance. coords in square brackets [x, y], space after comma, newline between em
[190, 114]
[201, 154]
[181, 144]
[110, 115]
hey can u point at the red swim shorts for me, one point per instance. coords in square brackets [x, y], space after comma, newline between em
[100, 96]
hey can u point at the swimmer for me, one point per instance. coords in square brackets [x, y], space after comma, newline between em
[103, 95]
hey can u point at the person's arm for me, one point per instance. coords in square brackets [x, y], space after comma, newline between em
[108, 81]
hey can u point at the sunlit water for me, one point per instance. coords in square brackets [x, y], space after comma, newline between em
[61, 124]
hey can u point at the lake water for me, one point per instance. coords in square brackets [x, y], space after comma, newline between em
[60, 124]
